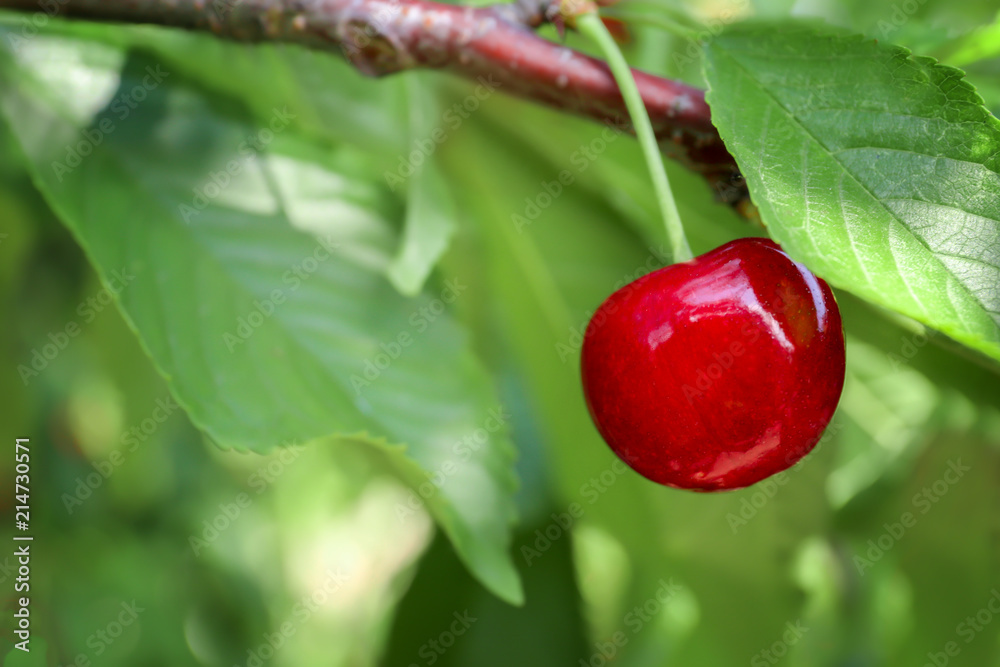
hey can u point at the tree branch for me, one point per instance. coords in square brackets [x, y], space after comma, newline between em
[380, 37]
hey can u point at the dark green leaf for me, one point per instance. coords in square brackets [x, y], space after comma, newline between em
[879, 170]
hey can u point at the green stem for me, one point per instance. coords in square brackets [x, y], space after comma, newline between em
[590, 25]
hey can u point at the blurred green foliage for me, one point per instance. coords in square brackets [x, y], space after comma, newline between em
[155, 545]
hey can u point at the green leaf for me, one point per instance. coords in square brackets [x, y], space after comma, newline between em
[332, 101]
[877, 169]
[251, 266]
[430, 208]
[984, 75]
[428, 227]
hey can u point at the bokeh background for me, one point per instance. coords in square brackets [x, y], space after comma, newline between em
[155, 546]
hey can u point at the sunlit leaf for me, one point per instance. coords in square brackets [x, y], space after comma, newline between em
[878, 169]
[251, 265]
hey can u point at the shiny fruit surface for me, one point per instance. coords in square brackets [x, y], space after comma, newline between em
[718, 372]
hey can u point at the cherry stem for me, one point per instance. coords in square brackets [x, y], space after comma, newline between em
[590, 25]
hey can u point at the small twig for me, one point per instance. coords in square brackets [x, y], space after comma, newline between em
[380, 37]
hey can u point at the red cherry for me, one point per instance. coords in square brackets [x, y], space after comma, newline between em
[718, 372]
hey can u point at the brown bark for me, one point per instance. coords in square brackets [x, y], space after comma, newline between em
[380, 37]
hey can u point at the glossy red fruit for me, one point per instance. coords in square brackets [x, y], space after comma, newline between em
[718, 372]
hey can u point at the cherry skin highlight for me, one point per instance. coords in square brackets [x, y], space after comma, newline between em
[718, 372]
